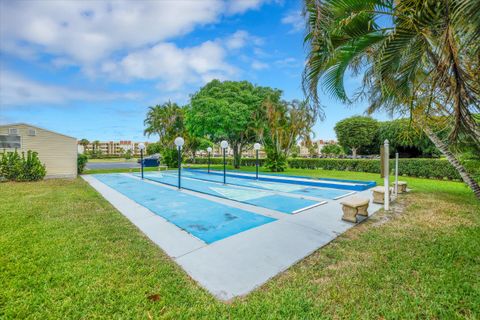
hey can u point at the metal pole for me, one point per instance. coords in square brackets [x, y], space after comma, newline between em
[224, 167]
[396, 174]
[386, 181]
[179, 167]
[209, 162]
[257, 163]
[141, 160]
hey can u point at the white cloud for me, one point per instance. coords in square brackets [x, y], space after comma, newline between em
[173, 66]
[241, 38]
[237, 40]
[240, 6]
[16, 90]
[89, 31]
[288, 62]
[295, 19]
[257, 65]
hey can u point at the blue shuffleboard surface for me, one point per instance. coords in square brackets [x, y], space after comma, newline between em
[352, 185]
[306, 190]
[265, 198]
[207, 220]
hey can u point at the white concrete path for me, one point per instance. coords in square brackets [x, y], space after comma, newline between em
[238, 264]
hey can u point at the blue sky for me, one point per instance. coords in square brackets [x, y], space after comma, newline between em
[90, 69]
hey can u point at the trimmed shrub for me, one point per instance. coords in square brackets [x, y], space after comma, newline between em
[16, 168]
[82, 160]
[426, 168]
[413, 167]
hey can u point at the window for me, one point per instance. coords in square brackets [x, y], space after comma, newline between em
[13, 131]
[32, 132]
[10, 142]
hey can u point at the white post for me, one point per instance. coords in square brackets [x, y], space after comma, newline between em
[396, 174]
[386, 178]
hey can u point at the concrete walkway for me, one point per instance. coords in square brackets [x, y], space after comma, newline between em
[238, 264]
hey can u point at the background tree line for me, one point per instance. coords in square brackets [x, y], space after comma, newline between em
[237, 111]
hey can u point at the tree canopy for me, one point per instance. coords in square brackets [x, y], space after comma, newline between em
[227, 110]
[356, 132]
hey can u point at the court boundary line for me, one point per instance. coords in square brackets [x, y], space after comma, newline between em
[360, 186]
[309, 207]
[285, 193]
[243, 202]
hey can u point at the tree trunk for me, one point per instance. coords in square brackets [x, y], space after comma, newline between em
[237, 155]
[466, 177]
[354, 153]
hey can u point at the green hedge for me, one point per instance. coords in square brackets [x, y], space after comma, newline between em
[427, 168]
[413, 167]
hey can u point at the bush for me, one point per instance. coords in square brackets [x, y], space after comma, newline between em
[170, 157]
[427, 168]
[16, 168]
[422, 167]
[276, 161]
[82, 160]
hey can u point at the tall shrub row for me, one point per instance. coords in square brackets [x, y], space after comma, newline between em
[413, 167]
[16, 167]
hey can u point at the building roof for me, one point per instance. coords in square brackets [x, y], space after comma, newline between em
[31, 125]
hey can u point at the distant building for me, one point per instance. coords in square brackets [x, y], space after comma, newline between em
[57, 151]
[111, 148]
[319, 144]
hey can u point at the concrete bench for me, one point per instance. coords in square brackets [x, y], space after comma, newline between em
[354, 206]
[402, 187]
[379, 194]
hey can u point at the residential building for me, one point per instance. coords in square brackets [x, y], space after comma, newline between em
[111, 148]
[318, 145]
[57, 151]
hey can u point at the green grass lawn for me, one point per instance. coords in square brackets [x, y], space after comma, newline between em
[67, 253]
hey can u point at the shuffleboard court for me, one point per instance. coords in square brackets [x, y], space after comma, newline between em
[265, 198]
[341, 184]
[207, 220]
[317, 192]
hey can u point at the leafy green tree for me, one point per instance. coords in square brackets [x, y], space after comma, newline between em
[356, 132]
[227, 110]
[153, 148]
[332, 149]
[405, 138]
[417, 57]
[194, 144]
[286, 123]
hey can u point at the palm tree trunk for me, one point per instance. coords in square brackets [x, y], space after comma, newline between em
[466, 177]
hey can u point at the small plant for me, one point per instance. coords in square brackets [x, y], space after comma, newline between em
[128, 154]
[82, 160]
[16, 168]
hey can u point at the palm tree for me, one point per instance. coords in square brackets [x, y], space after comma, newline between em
[166, 121]
[418, 58]
[84, 143]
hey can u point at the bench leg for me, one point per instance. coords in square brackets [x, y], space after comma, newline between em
[363, 210]
[349, 214]
[378, 197]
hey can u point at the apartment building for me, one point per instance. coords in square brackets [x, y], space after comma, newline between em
[111, 148]
[319, 144]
